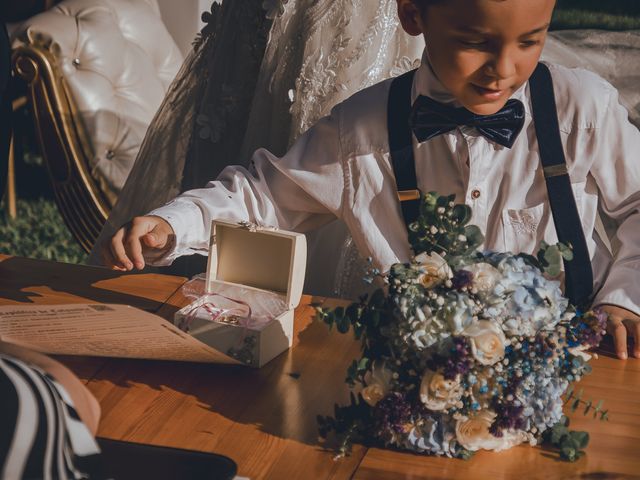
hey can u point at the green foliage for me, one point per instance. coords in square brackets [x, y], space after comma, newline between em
[569, 443]
[364, 316]
[348, 424]
[611, 15]
[38, 232]
[575, 400]
[465, 454]
[442, 227]
[356, 371]
[551, 257]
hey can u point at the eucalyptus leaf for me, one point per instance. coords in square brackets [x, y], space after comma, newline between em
[568, 453]
[363, 364]
[557, 432]
[581, 439]
[575, 404]
[462, 213]
[374, 319]
[474, 235]
[566, 251]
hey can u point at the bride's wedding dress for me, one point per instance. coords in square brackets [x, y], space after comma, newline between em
[266, 82]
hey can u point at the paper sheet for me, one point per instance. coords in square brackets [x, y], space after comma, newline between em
[104, 330]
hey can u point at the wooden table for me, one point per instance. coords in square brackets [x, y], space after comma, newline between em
[266, 419]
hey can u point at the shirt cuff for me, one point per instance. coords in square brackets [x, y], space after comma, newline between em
[621, 289]
[187, 223]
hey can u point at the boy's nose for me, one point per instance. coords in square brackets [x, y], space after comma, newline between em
[502, 65]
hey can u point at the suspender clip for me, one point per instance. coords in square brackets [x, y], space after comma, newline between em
[555, 170]
[408, 195]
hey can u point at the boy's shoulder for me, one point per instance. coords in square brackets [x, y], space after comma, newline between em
[582, 97]
[363, 119]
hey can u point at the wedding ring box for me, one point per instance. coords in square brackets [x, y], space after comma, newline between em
[253, 284]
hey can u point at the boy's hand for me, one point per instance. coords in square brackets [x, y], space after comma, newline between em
[622, 323]
[143, 235]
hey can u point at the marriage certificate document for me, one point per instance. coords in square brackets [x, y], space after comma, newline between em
[103, 330]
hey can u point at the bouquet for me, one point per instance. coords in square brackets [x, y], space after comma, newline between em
[465, 350]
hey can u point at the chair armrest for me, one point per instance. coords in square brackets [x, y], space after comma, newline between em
[84, 203]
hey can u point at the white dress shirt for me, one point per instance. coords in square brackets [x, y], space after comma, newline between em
[341, 168]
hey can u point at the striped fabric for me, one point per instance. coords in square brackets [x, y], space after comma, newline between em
[41, 434]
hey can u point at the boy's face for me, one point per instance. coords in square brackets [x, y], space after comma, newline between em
[481, 50]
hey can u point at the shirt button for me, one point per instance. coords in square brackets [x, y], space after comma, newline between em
[475, 194]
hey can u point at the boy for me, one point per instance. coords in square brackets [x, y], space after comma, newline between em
[479, 55]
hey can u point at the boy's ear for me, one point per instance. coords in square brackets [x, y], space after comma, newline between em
[410, 16]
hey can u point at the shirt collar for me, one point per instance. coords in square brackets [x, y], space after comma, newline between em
[427, 83]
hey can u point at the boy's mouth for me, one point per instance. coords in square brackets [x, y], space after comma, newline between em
[488, 93]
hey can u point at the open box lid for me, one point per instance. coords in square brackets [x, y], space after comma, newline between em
[258, 257]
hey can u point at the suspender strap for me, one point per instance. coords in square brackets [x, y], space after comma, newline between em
[401, 146]
[578, 273]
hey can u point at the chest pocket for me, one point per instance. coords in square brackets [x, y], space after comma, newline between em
[525, 228]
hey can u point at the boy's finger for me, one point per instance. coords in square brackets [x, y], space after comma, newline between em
[155, 238]
[633, 326]
[132, 243]
[616, 329]
[108, 260]
[117, 251]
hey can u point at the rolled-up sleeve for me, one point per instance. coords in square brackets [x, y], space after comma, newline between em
[300, 191]
[616, 169]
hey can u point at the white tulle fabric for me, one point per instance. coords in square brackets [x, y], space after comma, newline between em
[319, 52]
[614, 56]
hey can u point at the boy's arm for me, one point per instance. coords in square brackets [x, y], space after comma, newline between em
[299, 191]
[616, 170]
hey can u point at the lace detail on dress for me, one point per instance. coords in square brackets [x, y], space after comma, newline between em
[352, 44]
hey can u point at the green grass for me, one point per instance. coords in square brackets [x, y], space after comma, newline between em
[617, 7]
[605, 15]
[578, 19]
[38, 232]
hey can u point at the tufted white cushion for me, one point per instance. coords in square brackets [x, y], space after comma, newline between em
[118, 60]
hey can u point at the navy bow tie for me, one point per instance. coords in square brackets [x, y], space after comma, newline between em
[430, 118]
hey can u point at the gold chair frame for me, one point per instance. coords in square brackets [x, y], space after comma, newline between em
[64, 144]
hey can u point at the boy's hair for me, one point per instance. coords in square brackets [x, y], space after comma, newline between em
[424, 4]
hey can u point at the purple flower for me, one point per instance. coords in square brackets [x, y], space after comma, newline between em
[458, 362]
[508, 417]
[392, 414]
[462, 279]
[587, 329]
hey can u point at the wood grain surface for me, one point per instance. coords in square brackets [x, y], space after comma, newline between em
[25, 280]
[29, 281]
[266, 419]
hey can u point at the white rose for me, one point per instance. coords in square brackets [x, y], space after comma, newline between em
[435, 269]
[487, 341]
[473, 433]
[378, 383]
[372, 394]
[485, 276]
[580, 351]
[438, 393]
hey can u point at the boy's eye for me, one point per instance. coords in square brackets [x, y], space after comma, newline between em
[529, 43]
[474, 43]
